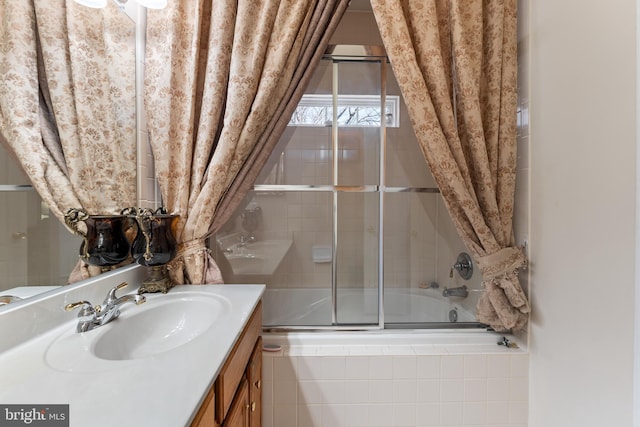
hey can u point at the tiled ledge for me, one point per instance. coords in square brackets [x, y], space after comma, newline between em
[391, 342]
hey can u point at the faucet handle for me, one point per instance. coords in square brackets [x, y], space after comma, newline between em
[111, 296]
[86, 310]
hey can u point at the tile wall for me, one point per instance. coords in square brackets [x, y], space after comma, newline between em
[420, 385]
[148, 191]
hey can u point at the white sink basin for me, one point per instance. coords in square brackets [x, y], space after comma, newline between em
[165, 325]
[162, 324]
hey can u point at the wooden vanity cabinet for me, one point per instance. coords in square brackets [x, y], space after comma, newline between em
[239, 411]
[254, 377]
[235, 400]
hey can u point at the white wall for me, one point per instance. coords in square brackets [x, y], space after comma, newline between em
[583, 142]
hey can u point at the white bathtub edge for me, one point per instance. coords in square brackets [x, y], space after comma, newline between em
[391, 342]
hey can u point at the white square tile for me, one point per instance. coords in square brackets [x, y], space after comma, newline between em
[428, 367]
[475, 366]
[284, 368]
[475, 390]
[520, 365]
[267, 393]
[404, 367]
[285, 392]
[498, 366]
[267, 368]
[357, 368]
[333, 368]
[267, 415]
[380, 367]
[380, 391]
[356, 415]
[428, 391]
[404, 414]
[404, 391]
[451, 413]
[310, 415]
[310, 368]
[451, 390]
[356, 391]
[428, 414]
[333, 392]
[497, 413]
[333, 416]
[497, 389]
[309, 392]
[285, 416]
[380, 415]
[452, 367]
[474, 413]
[518, 412]
[518, 389]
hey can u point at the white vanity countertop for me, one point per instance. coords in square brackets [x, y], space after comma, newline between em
[27, 291]
[165, 389]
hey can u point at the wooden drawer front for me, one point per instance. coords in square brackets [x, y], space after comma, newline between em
[254, 376]
[234, 367]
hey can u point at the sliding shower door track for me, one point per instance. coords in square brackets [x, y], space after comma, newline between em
[365, 328]
[342, 188]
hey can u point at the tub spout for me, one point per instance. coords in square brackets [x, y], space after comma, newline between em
[460, 291]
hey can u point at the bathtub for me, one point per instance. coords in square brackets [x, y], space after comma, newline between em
[312, 307]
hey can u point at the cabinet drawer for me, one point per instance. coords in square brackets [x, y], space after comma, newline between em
[234, 368]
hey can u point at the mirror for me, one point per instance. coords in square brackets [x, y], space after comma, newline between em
[37, 252]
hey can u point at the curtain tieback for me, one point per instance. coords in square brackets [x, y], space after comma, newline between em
[185, 249]
[506, 260]
[191, 247]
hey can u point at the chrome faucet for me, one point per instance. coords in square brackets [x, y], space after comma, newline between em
[460, 291]
[90, 317]
[245, 239]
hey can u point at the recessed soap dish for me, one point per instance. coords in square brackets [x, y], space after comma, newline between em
[321, 253]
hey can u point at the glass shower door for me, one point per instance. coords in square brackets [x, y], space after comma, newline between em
[357, 133]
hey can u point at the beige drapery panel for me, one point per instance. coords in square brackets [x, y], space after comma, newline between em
[468, 140]
[222, 79]
[67, 103]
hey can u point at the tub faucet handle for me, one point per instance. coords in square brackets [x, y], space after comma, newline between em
[463, 265]
[507, 343]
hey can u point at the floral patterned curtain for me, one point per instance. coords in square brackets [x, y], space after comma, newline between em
[67, 102]
[237, 71]
[456, 63]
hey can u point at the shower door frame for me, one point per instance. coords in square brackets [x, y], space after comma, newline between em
[373, 54]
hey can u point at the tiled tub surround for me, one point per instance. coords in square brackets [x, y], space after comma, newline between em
[395, 379]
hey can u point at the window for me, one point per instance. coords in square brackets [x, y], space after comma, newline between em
[353, 110]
